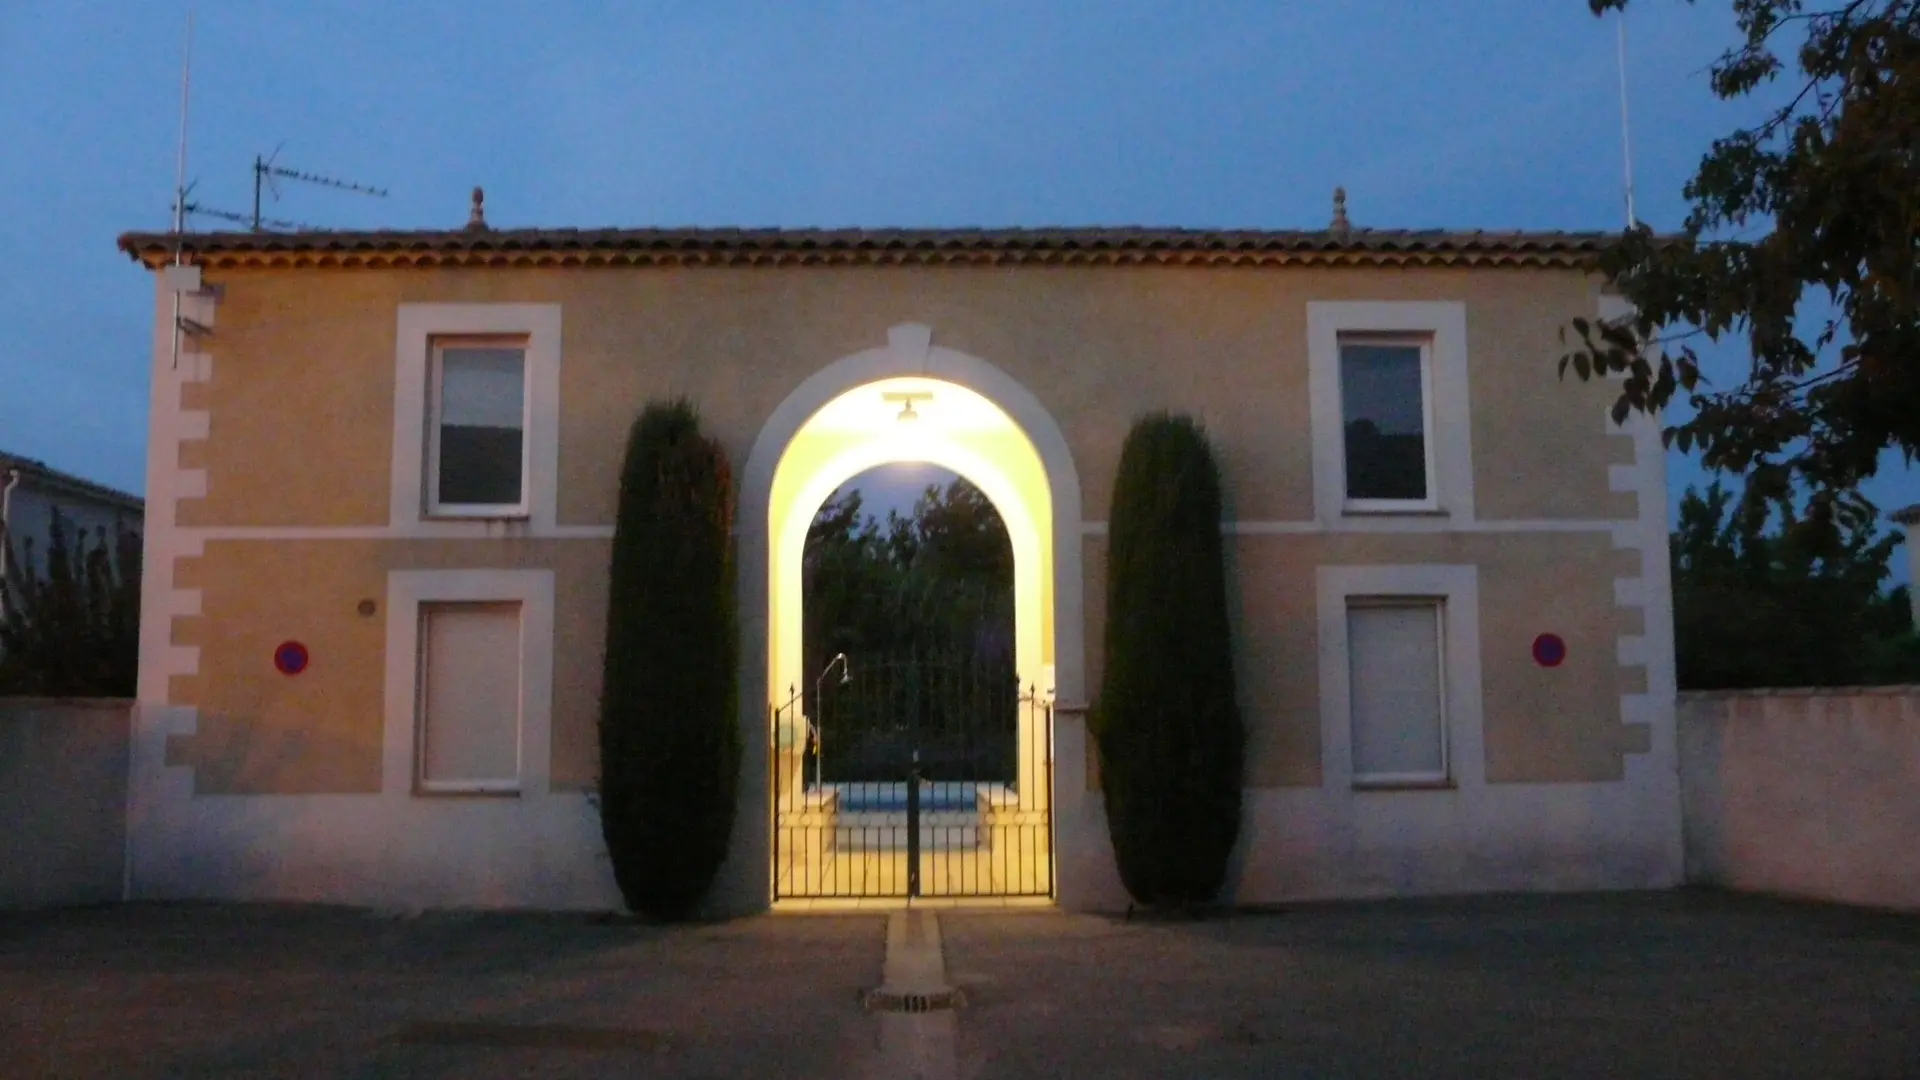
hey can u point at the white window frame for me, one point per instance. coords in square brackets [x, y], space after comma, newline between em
[438, 347]
[1436, 606]
[419, 328]
[1442, 324]
[1424, 342]
[1457, 587]
[408, 591]
[422, 784]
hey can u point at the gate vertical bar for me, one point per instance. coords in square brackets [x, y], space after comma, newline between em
[773, 791]
[1052, 837]
[913, 827]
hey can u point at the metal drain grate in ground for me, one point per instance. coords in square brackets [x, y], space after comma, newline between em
[935, 1001]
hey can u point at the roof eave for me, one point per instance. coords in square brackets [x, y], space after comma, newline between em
[827, 247]
[43, 477]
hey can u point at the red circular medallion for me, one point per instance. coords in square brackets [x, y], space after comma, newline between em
[290, 658]
[1549, 650]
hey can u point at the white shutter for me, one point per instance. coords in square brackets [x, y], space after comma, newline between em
[1399, 721]
[470, 697]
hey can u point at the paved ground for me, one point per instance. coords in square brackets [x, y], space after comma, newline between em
[201, 991]
[1684, 985]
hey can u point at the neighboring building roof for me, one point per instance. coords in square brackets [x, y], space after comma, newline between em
[1908, 516]
[483, 246]
[41, 472]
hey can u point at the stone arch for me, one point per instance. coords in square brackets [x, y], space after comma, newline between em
[908, 353]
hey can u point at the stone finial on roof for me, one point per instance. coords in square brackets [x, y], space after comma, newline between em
[1341, 226]
[477, 217]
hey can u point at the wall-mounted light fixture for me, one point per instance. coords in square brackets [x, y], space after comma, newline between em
[906, 400]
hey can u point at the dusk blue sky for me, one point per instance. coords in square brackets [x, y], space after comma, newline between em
[1457, 113]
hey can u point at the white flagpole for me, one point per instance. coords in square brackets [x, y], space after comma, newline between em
[180, 182]
[1626, 127]
[180, 173]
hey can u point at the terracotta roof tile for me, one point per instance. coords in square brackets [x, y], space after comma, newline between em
[789, 247]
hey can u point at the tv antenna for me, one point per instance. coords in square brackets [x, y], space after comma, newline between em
[266, 174]
[254, 221]
[267, 170]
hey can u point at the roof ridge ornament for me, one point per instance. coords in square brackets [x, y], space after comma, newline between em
[477, 216]
[1341, 226]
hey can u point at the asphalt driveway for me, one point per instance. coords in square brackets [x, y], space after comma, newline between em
[211, 991]
[1674, 985]
[1677, 985]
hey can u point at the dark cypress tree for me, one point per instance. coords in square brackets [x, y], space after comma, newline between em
[669, 717]
[1168, 723]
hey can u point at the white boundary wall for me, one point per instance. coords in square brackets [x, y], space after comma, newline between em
[1810, 793]
[63, 798]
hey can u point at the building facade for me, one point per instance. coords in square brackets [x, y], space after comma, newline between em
[33, 494]
[384, 469]
[1909, 518]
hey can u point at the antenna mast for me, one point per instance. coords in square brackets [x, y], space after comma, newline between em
[180, 182]
[180, 171]
[1626, 127]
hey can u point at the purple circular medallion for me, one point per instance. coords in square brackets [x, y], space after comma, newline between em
[1549, 650]
[290, 658]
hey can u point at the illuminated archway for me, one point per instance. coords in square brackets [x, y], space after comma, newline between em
[1048, 513]
[920, 420]
[951, 427]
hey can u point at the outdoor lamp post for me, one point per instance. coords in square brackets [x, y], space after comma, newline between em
[819, 705]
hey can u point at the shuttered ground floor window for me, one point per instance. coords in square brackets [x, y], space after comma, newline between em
[1397, 665]
[470, 698]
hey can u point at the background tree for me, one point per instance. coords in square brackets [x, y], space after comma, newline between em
[72, 627]
[929, 598]
[939, 580]
[1167, 722]
[1803, 241]
[669, 707]
[846, 563]
[1757, 608]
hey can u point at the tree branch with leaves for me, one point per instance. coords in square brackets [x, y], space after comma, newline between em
[1817, 206]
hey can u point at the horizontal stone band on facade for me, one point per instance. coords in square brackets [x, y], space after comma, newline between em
[790, 248]
[1897, 690]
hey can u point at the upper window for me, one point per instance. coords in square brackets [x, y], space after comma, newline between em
[477, 461]
[1392, 421]
[1385, 406]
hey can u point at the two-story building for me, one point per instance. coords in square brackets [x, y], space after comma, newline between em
[384, 469]
[33, 495]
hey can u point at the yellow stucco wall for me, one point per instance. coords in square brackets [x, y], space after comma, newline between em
[1096, 346]
[1540, 724]
[260, 731]
[300, 434]
[320, 732]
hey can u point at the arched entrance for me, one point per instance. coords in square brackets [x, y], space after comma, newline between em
[910, 402]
